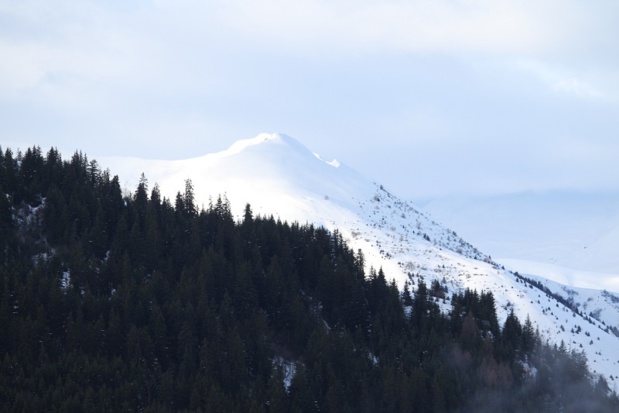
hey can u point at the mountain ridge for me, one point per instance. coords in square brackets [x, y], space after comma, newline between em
[260, 171]
[278, 176]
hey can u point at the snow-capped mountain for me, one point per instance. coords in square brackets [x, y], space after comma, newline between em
[278, 176]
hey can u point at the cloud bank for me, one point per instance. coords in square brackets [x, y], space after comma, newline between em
[428, 97]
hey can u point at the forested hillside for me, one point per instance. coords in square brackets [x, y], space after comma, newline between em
[112, 301]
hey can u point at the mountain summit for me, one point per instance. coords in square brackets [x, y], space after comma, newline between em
[279, 176]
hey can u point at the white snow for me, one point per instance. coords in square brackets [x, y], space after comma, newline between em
[277, 175]
[289, 369]
[65, 281]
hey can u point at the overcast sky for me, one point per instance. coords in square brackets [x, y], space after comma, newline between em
[427, 97]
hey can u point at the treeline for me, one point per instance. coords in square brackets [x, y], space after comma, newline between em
[141, 303]
[569, 302]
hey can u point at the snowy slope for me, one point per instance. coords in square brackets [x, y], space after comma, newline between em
[571, 229]
[277, 175]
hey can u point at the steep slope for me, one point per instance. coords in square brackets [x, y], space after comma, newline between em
[279, 176]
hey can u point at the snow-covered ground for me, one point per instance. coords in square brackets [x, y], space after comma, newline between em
[279, 176]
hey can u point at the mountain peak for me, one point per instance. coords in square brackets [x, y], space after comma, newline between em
[278, 149]
[264, 140]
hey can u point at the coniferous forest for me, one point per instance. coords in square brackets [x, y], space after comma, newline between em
[113, 301]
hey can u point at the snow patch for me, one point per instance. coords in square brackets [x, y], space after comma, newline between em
[289, 369]
[65, 281]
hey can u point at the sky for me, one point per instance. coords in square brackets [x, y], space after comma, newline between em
[428, 97]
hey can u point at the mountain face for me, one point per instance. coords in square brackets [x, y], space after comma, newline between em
[278, 176]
